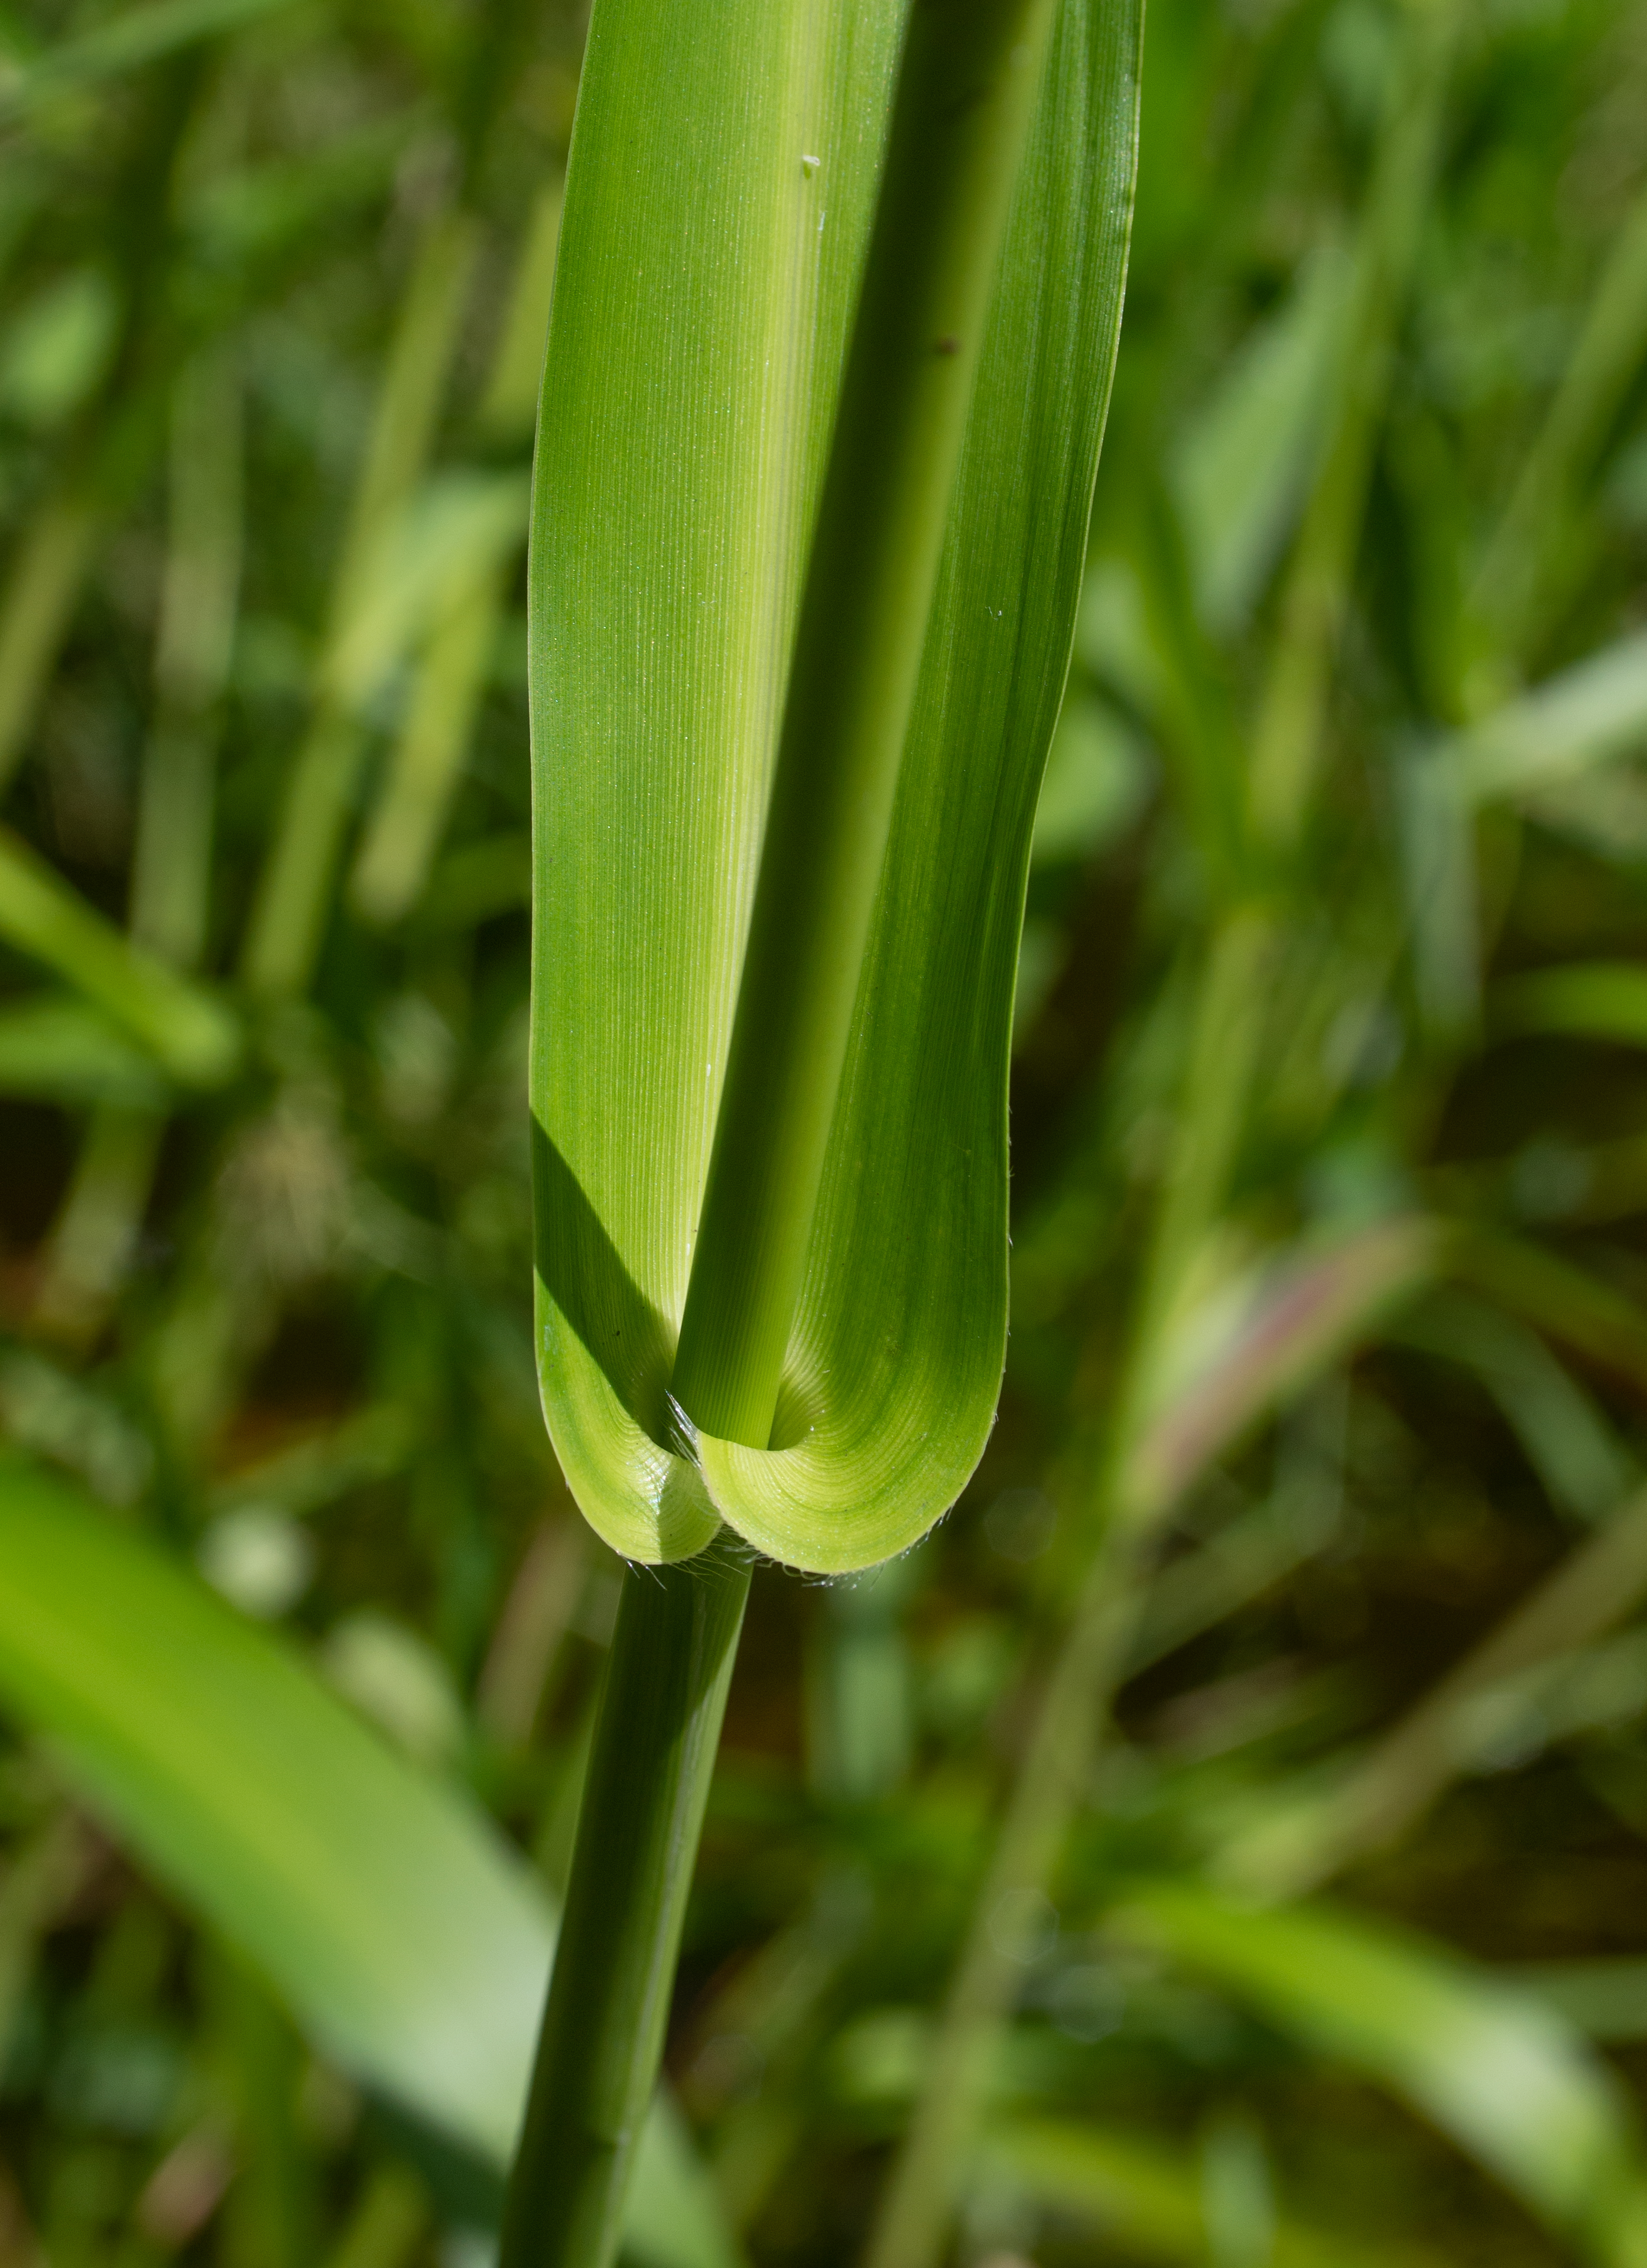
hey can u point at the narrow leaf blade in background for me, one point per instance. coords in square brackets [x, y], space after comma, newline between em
[404, 1934]
[1499, 2071]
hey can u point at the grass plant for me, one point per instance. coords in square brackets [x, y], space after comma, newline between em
[1217, 1840]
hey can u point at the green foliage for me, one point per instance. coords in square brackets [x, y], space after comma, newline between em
[408, 1940]
[1220, 1842]
[901, 971]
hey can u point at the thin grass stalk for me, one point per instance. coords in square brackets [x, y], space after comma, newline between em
[172, 867]
[911, 2228]
[1512, 585]
[1291, 731]
[1597, 1587]
[96, 1230]
[644, 1793]
[95, 1234]
[104, 457]
[426, 766]
[294, 897]
[41, 597]
[967, 84]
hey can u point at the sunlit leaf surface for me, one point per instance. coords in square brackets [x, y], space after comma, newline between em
[409, 1939]
[699, 323]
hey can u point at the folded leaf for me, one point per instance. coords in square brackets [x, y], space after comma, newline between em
[692, 364]
[411, 1942]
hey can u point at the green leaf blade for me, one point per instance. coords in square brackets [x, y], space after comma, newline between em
[409, 1940]
[895, 1355]
[330, 1862]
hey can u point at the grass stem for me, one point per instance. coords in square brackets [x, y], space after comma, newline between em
[647, 1781]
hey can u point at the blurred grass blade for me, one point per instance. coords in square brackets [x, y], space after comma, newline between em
[380, 1906]
[171, 886]
[57, 1049]
[1234, 984]
[1565, 1302]
[1528, 543]
[427, 762]
[1133, 2189]
[1382, 1796]
[1501, 2073]
[1572, 1446]
[409, 1939]
[1436, 822]
[1591, 713]
[1592, 1000]
[1605, 1999]
[1251, 1555]
[1139, 622]
[94, 1238]
[1241, 468]
[40, 594]
[1315, 600]
[193, 1035]
[1263, 1337]
[422, 774]
[130, 38]
[894, 1359]
[95, 1234]
[449, 540]
[510, 404]
[289, 914]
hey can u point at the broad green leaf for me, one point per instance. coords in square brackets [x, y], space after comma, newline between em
[407, 1937]
[694, 353]
[1496, 2069]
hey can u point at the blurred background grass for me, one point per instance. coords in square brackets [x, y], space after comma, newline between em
[1328, 1099]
